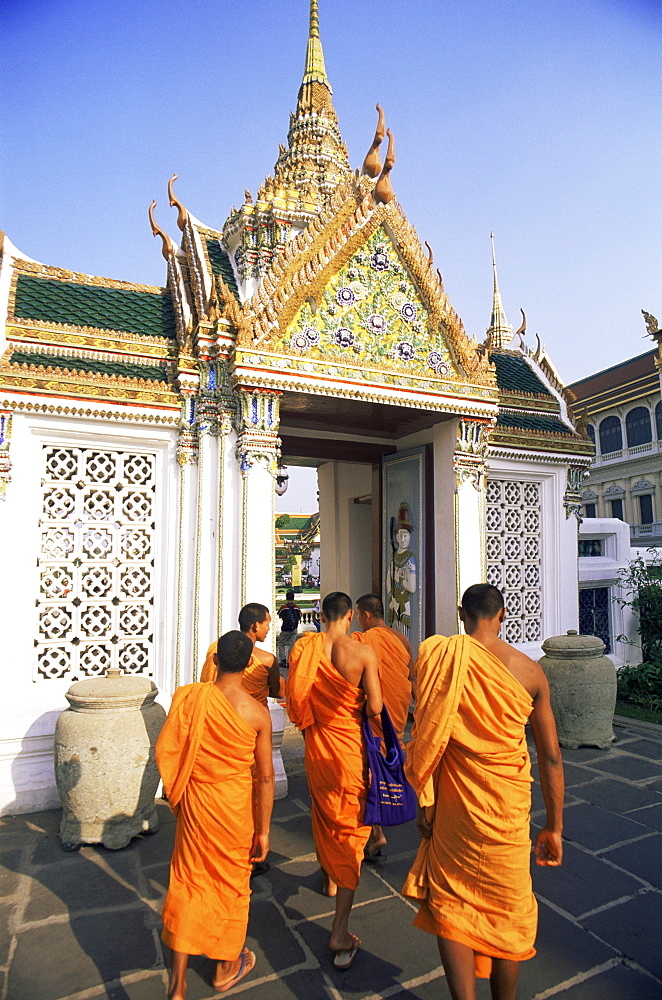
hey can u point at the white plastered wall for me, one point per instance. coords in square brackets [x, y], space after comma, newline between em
[345, 528]
[30, 707]
[603, 571]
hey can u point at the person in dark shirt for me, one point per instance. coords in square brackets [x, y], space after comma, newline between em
[290, 617]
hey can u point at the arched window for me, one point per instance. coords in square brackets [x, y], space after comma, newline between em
[611, 437]
[638, 426]
[658, 420]
[590, 429]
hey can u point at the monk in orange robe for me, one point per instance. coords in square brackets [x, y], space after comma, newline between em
[261, 678]
[394, 656]
[213, 735]
[330, 679]
[469, 754]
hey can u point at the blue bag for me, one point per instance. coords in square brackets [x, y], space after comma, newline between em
[391, 799]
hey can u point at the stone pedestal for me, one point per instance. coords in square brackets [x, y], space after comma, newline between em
[105, 770]
[277, 730]
[582, 683]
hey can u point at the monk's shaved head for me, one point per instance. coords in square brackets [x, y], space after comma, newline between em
[233, 651]
[482, 600]
[371, 603]
[252, 614]
[336, 605]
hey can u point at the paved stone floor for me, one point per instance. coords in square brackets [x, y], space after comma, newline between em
[85, 925]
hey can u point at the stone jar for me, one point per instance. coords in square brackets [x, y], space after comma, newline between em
[582, 682]
[105, 770]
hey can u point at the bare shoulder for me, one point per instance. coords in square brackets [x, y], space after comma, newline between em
[255, 714]
[524, 669]
[265, 658]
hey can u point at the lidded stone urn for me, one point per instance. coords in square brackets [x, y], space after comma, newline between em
[582, 683]
[105, 769]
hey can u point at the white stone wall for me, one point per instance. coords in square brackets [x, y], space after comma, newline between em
[31, 703]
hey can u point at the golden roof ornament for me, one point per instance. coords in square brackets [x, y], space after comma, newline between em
[182, 214]
[384, 192]
[372, 165]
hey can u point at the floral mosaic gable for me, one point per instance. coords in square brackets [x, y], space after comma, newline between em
[370, 312]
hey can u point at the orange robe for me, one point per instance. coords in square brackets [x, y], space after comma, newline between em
[469, 756]
[328, 709]
[393, 658]
[255, 678]
[204, 754]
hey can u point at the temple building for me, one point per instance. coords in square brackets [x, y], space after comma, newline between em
[141, 429]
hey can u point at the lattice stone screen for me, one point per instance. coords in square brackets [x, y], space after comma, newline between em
[96, 564]
[513, 554]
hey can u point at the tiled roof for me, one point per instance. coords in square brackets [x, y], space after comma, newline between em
[220, 264]
[515, 375]
[77, 304]
[529, 422]
[153, 373]
[622, 383]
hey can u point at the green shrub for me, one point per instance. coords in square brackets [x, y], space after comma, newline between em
[642, 685]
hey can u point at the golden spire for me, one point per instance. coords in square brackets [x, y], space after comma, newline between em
[499, 332]
[315, 71]
[316, 159]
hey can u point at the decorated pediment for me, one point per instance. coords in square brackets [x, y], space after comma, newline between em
[370, 312]
[356, 287]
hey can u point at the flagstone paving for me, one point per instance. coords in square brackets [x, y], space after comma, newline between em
[85, 925]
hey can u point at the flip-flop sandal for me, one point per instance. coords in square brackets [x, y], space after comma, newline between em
[372, 858]
[247, 965]
[343, 959]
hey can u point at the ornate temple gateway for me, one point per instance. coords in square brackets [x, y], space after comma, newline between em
[141, 428]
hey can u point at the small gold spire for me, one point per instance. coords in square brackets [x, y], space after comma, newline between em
[499, 332]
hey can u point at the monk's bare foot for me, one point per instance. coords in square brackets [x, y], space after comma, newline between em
[345, 949]
[375, 843]
[329, 887]
[228, 974]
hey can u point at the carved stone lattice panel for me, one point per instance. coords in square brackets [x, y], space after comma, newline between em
[95, 604]
[513, 555]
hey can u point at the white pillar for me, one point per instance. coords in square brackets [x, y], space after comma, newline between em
[187, 457]
[470, 485]
[258, 451]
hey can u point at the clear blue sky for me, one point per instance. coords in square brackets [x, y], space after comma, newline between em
[539, 120]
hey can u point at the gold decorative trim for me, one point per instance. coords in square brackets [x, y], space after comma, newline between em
[152, 347]
[147, 417]
[61, 274]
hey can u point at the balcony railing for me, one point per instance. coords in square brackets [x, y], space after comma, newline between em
[646, 534]
[651, 448]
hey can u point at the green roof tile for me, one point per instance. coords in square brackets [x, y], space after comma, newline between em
[74, 304]
[528, 422]
[220, 264]
[515, 375]
[153, 373]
